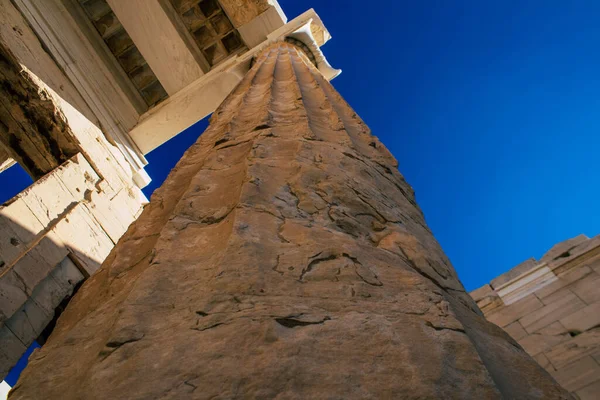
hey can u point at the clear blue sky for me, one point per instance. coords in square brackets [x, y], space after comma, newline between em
[490, 107]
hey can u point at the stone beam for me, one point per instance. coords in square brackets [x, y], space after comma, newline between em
[190, 105]
[32, 129]
[5, 161]
[160, 41]
[241, 12]
[202, 97]
[68, 55]
[255, 31]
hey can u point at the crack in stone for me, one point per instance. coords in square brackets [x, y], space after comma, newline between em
[444, 328]
[194, 387]
[313, 263]
[115, 344]
[292, 322]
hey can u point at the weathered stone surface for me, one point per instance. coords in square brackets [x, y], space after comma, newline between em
[563, 306]
[516, 330]
[579, 374]
[558, 323]
[11, 349]
[588, 290]
[564, 280]
[585, 318]
[507, 315]
[589, 392]
[243, 11]
[561, 250]
[513, 273]
[544, 339]
[577, 347]
[284, 257]
[32, 128]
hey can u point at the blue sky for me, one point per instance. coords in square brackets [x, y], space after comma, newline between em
[490, 107]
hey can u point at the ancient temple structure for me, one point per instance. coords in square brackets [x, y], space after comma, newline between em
[284, 256]
[552, 308]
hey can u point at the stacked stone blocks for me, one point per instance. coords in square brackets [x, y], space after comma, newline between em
[552, 308]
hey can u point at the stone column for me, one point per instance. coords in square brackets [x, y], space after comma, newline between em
[284, 257]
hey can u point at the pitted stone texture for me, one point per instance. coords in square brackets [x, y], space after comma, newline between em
[284, 257]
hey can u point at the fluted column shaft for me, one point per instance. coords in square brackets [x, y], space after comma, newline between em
[284, 257]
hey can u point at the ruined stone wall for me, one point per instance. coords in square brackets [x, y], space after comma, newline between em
[53, 235]
[283, 257]
[552, 308]
[58, 231]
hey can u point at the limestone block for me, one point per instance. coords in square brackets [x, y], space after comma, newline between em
[13, 294]
[18, 227]
[241, 12]
[51, 248]
[11, 246]
[48, 198]
[482, 293]
[579, 253]
[48, 294]
[545, 339]
[513, 273]
[20, 219]
[588, 289]
[34, 266]
[562, 248]
[516, 331]
[78, 176]
[595, 265]
[596, 356]
[128, 204]
[543, 361]
[84, 237]
[528, 282]
[590, 392]
[108, 161]
[489, 304]
[586, 343]
[558, 295]
[10, 350]
[256, 31]
[577, 375]
[564, 280]
[67, 275]
[547, 314]
[555, 328]
[582, 319]
[111, 218]
[510, 314]
[29, 322]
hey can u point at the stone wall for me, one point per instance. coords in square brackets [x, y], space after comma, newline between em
[552, 308]
[58, 231]
[53, 235]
